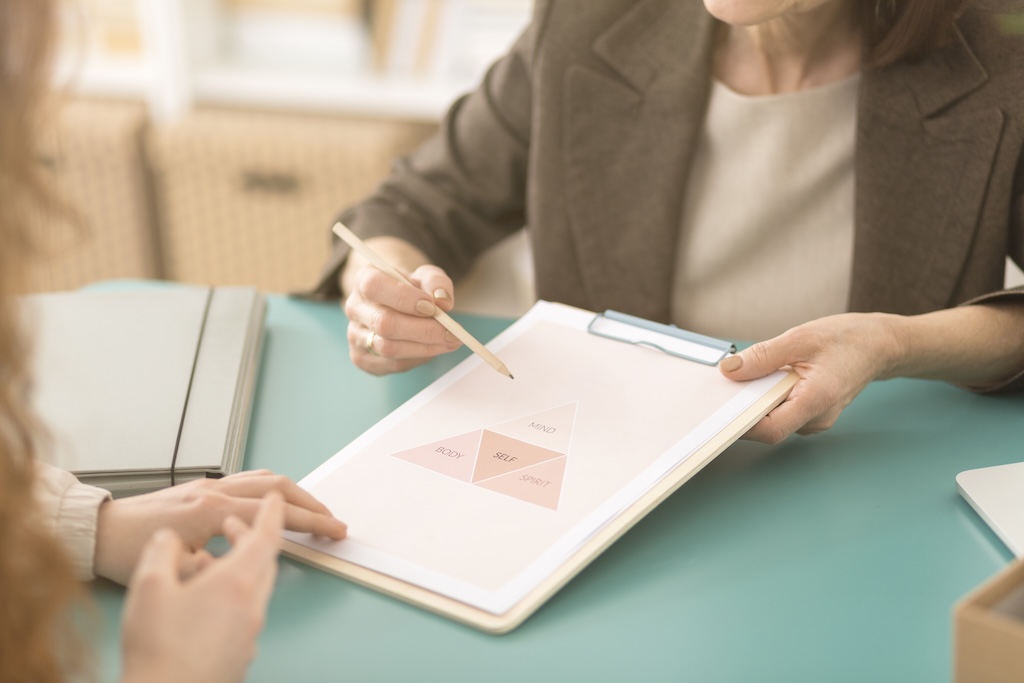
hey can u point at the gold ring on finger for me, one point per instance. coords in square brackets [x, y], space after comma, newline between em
[369, 342]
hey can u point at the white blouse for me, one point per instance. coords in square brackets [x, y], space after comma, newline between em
[766, 240]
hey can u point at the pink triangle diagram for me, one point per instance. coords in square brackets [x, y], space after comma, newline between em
[523, 458]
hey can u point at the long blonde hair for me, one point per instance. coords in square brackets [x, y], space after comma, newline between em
[38, 588]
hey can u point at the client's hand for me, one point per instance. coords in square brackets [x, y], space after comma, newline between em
[203, 628]
[196, 511]
[835, 357]
[391, 326]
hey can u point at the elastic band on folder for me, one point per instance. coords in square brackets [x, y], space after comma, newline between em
[188, 391]
[666, 338]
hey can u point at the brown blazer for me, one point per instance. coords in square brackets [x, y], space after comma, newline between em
[584, 133]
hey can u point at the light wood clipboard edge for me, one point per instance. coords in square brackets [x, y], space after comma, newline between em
[503, 623]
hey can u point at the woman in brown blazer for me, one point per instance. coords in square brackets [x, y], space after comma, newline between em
[624, 134]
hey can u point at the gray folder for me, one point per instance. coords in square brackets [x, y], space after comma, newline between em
[138, 387]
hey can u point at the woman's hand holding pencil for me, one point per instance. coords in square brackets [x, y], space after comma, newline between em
[397, 320]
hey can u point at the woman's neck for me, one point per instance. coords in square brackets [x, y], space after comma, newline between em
[793, 52]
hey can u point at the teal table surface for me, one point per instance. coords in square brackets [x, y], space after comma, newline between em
[836, 557]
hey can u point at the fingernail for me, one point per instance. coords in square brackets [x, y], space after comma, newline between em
[450, 338]
[424, 307]
[731, 363]
[441, 294]
[342, 529]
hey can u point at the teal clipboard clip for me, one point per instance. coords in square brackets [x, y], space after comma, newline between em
[669, 339]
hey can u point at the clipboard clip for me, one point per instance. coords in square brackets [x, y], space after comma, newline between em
[668, 339]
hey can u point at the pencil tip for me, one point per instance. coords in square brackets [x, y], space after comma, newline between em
[510, 376]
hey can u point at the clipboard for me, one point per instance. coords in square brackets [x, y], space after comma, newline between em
[495, 588]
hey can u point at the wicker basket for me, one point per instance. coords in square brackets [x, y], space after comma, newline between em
[247, 198]
[95, 156]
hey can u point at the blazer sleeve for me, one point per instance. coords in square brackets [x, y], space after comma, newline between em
[71, 509]
[1015, 250]
[464, 189]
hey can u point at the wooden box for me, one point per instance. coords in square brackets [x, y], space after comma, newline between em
[249, 198]
[989, 630]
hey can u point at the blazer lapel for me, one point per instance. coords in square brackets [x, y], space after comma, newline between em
[631, 123]
[922, 168]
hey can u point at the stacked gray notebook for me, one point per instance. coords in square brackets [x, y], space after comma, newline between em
[142, 388]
